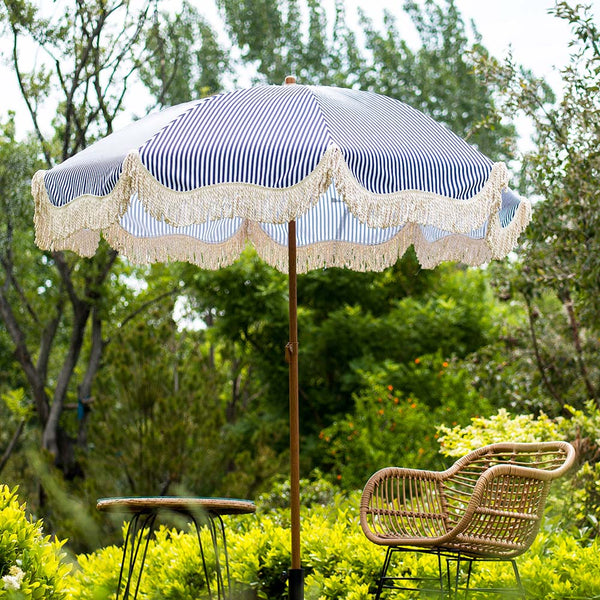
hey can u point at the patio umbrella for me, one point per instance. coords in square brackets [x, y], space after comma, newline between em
[312, 176]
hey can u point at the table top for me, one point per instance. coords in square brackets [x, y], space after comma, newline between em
[215, 506]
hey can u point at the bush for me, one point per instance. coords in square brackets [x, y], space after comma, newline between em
[458, 441]
[392, 424]
[339, 562]
[32, 566]
[172, 571]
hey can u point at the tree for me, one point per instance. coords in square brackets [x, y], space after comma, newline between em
[558, 277]
[50, 302]
[184, 60]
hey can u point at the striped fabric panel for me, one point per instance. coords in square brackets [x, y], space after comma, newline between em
[141, 224]
[95, 178]
[271, 136]
[328, 221]
[96, 169]
[390, 146]
[274, 136]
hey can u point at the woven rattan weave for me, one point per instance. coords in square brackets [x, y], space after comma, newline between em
[487, 505]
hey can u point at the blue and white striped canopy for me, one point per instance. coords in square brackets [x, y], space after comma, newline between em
[364, 176]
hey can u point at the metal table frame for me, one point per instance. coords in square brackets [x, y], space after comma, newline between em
[201, 511]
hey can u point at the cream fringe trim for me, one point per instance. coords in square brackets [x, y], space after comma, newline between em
[260, 204]
[84, 242]
[58, 226]
[455, 247]
[177, 248]
[424, 208]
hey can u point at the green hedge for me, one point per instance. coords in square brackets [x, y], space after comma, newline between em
[339, 562]
[32, 566]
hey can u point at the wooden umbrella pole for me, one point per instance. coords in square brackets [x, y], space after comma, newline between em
[296, 579]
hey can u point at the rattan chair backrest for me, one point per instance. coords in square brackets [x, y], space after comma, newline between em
[497, 494]
[489, 503]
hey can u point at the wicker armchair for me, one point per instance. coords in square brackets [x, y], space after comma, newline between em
[487, 506]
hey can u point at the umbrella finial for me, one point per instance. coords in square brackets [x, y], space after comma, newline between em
[290, 79]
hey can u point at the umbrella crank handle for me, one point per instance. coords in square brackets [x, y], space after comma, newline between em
[291, 348]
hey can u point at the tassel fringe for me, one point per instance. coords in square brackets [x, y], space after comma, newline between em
[455, 247]
[76, 226]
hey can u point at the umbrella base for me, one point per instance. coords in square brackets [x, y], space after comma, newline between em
[296, 579]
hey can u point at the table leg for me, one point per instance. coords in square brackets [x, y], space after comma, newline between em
[133, 540]
[222, 592]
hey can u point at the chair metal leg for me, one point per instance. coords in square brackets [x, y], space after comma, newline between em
[468, 590]
[386, 564]
[440, 574]
[457, 576]
[395, 583]
[469, 570]
[518, 578]
[449, 576]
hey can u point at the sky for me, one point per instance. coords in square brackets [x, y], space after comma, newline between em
[537, 40]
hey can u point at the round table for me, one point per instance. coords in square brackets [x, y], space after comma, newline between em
[201, 511]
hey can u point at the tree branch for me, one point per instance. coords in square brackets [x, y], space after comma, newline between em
[146, 304]
[538, 357]
[65, 273]
[24, 357]
[85, 388]
[567, 301]
[8, 264]
[12, 445]
[50, 437]
[47, 340]
[30, 108]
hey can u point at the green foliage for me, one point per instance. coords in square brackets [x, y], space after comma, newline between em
[560, 253]
[458, 441]
[314, 491]
[152, 371]
[185, 58]
[32, 566]
[339, 562]
[556, 567]
[390, 426]
[581, 495]
[15, 401]
[357, 332]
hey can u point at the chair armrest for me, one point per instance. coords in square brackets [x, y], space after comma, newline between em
[403, 506]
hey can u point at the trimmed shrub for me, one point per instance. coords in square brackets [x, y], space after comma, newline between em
[32, 566]
[339, 562]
